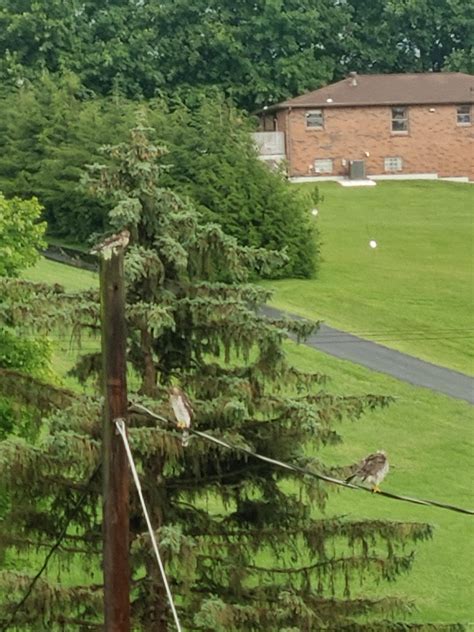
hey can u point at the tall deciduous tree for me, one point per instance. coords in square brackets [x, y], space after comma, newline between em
[21, 237]
[21, 234]
[408, 35]
[246, 546]
[256, 51]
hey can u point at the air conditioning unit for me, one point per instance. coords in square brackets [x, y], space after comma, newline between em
[356, 169]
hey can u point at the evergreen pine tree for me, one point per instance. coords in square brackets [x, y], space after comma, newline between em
[51, 129]
[246, 547]
[214, 160]
[48, 132]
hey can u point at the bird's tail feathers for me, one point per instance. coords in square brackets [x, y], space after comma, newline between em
[185, 438]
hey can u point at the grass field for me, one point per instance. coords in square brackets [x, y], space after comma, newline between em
[65, 350]
[430, 440]
[415, 291]
[47, 271]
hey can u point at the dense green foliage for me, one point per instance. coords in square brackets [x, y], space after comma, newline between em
[30, 356]
[21, 234]
[25, 354]
[50, 132]
[21, 237]
[247, 547]
[257, 51]
[410, 36]
[213, 160]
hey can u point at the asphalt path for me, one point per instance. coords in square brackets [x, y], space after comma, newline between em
[380, 358]
[349, 347]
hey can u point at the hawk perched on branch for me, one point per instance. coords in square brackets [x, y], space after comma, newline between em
[372, 470]
[182, 410]
[105, 248]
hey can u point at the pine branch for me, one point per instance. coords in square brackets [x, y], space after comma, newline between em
[8, 540]
[71, 515]
[387, 566]
[33, 391]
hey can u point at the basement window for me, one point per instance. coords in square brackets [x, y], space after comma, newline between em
[323, 165]
[392, 163]
[315, 119]
[463, 114]
[400, 119]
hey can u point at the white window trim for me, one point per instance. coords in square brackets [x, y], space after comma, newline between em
[468, 114]
[406, 119]
[318, 111]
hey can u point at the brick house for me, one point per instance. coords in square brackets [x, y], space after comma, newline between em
[378, 125]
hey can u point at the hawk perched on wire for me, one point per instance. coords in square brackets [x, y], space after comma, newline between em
[105, 248]
[372, 470]
[182, 410]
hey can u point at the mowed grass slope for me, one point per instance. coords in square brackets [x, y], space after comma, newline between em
[73, 279]
[415, 291]
[66, 349]
[430, 441]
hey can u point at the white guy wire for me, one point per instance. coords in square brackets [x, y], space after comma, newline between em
[120, 423]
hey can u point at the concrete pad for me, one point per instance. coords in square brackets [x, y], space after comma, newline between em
[357, 183]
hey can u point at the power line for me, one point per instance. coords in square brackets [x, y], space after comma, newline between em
[305, 472]
[121, 428]
[52, 550]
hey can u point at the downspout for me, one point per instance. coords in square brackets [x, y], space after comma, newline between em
[288, 142]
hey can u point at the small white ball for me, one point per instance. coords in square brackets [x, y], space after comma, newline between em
[373, 243]
[314, 212]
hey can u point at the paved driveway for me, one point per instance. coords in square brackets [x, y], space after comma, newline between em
[379, 358]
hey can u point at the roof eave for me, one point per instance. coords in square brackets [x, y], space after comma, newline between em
[293, 106]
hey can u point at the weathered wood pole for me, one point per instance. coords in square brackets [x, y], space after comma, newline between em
[115, 466]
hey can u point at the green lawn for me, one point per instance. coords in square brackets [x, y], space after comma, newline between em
[66, 350]
[430, 441]
[73, 279]
[415, 291]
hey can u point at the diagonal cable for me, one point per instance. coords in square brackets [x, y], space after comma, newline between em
[122, 430]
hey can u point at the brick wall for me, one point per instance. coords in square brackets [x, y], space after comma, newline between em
[434, 143]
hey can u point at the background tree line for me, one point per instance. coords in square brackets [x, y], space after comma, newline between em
[50, 130]
[257, 51]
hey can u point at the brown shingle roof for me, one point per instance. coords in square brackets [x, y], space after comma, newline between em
[401, 89]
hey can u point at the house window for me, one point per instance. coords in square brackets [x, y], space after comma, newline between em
[400, 119]
[323, 166]
[315, 119]
[463, 114]
[392, 163]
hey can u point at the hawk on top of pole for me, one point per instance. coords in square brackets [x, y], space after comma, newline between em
[372, 470]
[182, 410]
[109, 245]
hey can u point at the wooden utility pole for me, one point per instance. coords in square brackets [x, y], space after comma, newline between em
[115, 465]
